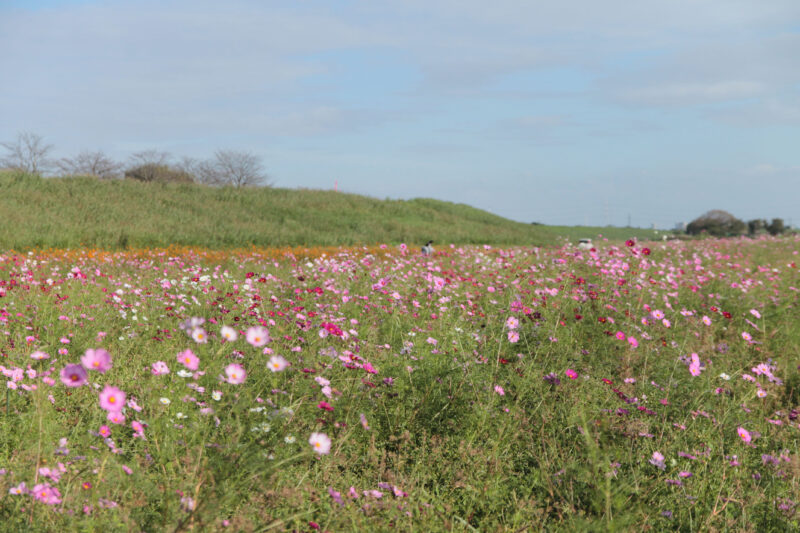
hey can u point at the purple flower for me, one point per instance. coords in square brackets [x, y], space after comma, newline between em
[552, 379]
[73, 375]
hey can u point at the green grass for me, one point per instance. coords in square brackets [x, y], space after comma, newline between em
[86, 212]
[574, 233]
[74, 212]
[573, 456]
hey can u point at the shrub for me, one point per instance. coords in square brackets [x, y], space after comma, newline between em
[718, 223]
[151, 172]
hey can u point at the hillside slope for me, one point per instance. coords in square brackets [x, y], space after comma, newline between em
[80, 211]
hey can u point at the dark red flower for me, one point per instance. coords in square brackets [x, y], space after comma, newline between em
[629, 242]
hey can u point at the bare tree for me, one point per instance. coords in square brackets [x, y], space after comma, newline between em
[27, 153]
[90, 164]
[150, 157]
[240, 169]
[203, 171]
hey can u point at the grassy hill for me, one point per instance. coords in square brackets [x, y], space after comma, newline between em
[82, 211]
[72, 212]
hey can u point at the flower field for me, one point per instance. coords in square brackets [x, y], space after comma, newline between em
[636, 385]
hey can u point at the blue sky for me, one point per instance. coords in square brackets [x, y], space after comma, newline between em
[574, 112]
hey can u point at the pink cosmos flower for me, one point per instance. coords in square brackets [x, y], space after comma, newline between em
[115, 417]
[138, 429]
[571, 374]
[105, 431]
[188, 359]
[228, 333]
[657, 460]
[44, 493]
[499, 390]
[112, 399]
[96, 359]
[513, 336]
[257, 336]
[633, 342]
[199, 335]
[512, 322]
[39, 355]
[73, 375]
[706, 320]
[746, 336]
[19, 489]
[744, 434]
[235, 374]
[320, 443]
[755, 313]
[159, 368]
[277, 363]
[620, 335]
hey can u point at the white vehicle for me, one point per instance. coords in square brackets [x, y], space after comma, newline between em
[585, 244]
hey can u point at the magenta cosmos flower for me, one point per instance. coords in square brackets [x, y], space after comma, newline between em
[112, 399]
[744, 434]
[188, 359]
[98, 359]
[235, 374]
[257, 336]
[73, 375]
[320, 443]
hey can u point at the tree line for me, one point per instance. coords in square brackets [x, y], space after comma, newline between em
[29, 153]
[723, 224]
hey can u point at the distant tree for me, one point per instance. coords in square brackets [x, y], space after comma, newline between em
[757, 226]
[776, 227]
[89, 163]
[202, 171]
[153, 166]
[239, 169]
[27, 153]
[718, 223]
